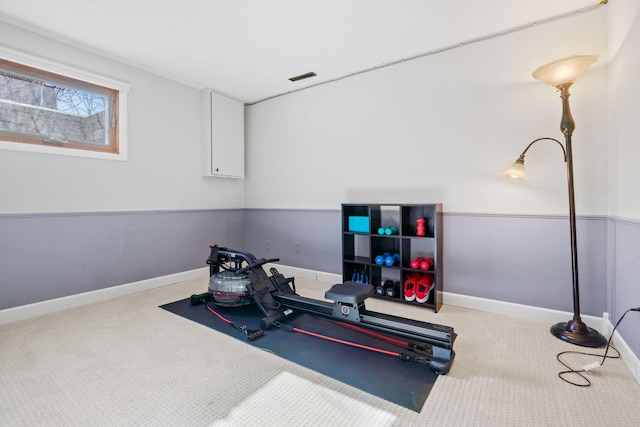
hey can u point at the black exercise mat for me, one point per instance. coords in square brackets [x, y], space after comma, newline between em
[404, 383]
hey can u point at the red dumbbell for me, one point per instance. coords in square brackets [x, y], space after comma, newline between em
[415, 264]
[426, 264]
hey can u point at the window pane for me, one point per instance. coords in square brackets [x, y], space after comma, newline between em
[43, 108]
[54, 113]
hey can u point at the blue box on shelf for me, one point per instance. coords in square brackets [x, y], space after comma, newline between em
[359, 224]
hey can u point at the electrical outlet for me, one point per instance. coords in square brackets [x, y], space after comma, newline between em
[298, 247]
[267, 246]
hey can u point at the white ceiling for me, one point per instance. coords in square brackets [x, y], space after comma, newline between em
[248, 49]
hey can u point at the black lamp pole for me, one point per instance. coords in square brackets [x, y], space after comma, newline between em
[574, 331]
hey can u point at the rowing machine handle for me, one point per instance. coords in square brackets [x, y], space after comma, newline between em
[256, 264]
[197, 299]
[255, 335]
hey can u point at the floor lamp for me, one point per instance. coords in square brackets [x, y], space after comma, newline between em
[561, 75]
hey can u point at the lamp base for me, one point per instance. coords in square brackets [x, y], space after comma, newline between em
[576, 332]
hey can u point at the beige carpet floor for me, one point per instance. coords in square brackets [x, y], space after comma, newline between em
[126, 362]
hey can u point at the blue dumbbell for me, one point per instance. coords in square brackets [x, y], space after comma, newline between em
[392, 260]
[380, 259]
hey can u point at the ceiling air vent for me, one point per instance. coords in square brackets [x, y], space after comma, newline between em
[303, 76]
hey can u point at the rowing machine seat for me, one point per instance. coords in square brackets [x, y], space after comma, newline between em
[349, 293]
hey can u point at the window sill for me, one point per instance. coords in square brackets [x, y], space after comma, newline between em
[44, 149]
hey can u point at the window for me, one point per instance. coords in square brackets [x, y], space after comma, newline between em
[63, 113]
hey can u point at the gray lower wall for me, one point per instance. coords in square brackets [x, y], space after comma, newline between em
[518, 259]
[300, 238]
[526, 260]
[626, 285]
[46, 256]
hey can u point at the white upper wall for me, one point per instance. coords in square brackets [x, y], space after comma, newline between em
[163, 170]
[624, 112]
[439, 128]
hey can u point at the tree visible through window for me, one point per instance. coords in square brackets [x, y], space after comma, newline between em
[39, 107]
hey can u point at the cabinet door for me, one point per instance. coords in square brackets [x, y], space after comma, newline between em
[227, 137]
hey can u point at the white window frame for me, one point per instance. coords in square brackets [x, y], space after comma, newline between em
[77, 74]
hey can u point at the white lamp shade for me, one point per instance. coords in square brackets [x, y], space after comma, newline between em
[516, 171]
[563, 71]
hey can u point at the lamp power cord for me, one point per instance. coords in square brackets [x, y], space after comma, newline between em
[580, 372]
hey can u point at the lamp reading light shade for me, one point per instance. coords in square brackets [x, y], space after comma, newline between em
[516, 171]
[563, 71]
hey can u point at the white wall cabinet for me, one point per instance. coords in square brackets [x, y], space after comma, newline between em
[223, 135]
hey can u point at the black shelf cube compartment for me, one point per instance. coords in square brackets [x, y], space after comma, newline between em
[410, 216]
[381, 275]
[385, 245]
[418, 247]
[353, 217]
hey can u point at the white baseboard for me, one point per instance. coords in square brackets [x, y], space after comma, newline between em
[629, 357]
[527, 312]
[320, 276]
[27, 311]
[15, 314]
[537, 314]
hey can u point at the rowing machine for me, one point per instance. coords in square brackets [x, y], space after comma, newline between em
[276, 297]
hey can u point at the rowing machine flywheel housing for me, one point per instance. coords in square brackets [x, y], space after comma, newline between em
[229, 289]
